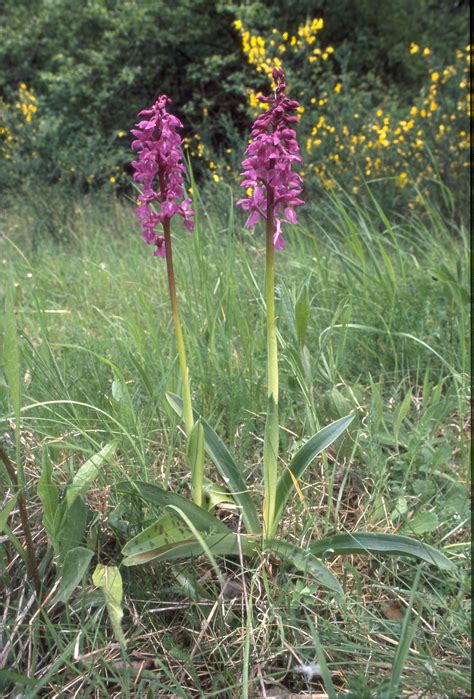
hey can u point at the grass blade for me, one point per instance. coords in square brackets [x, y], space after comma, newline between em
[407, 635]
[11, 363]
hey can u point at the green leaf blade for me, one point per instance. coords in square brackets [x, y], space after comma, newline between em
[109, 580]
[88, 472]
[218, 544]
[196, 460]
[270, 467]
[227, 467]
[303, 458]
[202, 519]
[305, 561]
[373, 543]
[11, 357]
[76, 563]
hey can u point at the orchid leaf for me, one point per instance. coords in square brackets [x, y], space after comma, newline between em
[202, 519]
[218, 544]
[305, 561]
[216, 495]
[227, 467]
[303, 458]
[75, 565]
[88, 472]
[196, 460]
[270, 465]
[374, 543]
[167, 530]
[109, 580]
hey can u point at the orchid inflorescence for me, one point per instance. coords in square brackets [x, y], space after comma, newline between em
[268, 169]
[160, 170]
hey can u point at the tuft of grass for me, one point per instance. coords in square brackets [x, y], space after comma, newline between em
[386, 335]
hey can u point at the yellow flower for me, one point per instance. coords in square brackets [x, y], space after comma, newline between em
[413, 111]
[426, 51]
[216, 177]
[379, 112]
[435, 77]
[238, 24]
[112, 180]
[337, 87]
[414, 48]
[402, 179]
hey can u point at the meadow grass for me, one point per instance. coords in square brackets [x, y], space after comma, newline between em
[386, 337]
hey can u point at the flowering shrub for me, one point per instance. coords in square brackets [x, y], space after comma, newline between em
[18, 130]
[355, 131]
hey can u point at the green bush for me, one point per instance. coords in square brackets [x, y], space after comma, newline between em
[93, 65]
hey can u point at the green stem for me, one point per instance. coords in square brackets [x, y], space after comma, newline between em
[272, 352]
[187, 404]
[271, 441]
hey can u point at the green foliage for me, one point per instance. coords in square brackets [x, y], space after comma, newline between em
[109, 580]
[100, 358]
[95, 66]
[76, 565]
[90, 68]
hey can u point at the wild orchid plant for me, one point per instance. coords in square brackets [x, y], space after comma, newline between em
[189, 528]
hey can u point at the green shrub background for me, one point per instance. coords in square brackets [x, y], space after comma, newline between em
[91, 66]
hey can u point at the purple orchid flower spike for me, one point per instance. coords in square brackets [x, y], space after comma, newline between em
[160, 169]
[268, 167]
